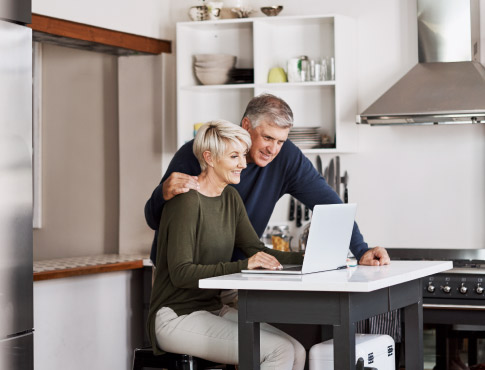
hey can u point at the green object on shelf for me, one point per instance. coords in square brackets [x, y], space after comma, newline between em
[277, 74]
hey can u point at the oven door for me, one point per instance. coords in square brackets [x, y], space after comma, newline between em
[454, 324]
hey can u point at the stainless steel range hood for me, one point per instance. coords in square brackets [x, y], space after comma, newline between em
[448, 83]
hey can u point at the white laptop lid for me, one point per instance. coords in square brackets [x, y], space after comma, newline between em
[329, 237]
[328, 240]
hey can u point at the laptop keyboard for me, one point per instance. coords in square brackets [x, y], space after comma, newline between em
[291, 268]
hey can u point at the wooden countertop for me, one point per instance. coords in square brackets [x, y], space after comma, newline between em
[76, 266]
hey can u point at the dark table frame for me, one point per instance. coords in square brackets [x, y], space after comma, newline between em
[339, 309]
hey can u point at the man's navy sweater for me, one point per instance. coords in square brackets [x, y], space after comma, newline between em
[290, 172]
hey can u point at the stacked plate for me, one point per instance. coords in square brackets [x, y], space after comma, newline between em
[241, 75]
[306, 137]
[213, 69]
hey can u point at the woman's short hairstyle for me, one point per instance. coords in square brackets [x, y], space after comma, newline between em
[214, 135]
[270, 108]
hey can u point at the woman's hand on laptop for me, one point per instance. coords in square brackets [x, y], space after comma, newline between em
[375, 257]
[264, 261]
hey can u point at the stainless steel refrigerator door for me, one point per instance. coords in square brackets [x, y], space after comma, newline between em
[16, 10]
[16, 353]
[16, 276]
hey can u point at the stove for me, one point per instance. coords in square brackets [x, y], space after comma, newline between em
[462, 286]
[453, 303]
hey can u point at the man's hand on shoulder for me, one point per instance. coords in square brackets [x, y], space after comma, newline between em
[375, 257]
[178, 183]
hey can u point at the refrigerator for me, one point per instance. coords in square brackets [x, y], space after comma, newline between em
[16, 276]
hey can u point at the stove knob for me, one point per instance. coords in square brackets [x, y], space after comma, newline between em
[463, 288]
[446, 289]
[430, 288]
[479, 289]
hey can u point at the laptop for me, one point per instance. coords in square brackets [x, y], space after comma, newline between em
[328, 241]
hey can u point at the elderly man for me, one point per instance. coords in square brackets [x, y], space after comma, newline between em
[275, 167]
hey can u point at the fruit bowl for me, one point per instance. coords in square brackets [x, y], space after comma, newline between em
[272, 11]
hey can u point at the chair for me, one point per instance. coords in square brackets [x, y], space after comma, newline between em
[144, 357]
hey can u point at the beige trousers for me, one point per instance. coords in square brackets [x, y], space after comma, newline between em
[213, 336]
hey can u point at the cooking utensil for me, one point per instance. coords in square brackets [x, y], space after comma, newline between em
[331, 174]
[337, 174]
[304, 237]
[319, 165]
[292, 209]
[298, 214]
[307, 214]
[345, 181]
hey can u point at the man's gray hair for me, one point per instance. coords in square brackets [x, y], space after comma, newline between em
[267, 107]
[214, 136]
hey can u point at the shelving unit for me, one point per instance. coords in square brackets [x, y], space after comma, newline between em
[264, 43]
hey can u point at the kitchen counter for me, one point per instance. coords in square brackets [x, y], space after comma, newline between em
[75, 266]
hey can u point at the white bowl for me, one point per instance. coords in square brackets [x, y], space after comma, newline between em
[214, 76]
[215, 70]
[216, 64]
[214, 58]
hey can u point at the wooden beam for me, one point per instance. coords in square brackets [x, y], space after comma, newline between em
[84, 36]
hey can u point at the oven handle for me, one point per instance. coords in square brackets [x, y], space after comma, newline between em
[454, 306]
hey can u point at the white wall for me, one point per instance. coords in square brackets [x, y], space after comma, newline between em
[416, 187]
[143, 17]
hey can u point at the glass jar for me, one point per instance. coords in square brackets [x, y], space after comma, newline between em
[280, 238]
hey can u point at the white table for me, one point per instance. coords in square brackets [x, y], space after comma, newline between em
[339, 298]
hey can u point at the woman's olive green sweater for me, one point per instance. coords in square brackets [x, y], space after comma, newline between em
[196, 240]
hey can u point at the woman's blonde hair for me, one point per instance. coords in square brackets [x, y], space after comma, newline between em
[214, 135]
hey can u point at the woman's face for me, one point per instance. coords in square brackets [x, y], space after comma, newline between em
[229, 166]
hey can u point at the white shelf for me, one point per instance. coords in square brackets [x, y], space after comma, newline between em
[326, 151]
[282, 85]
[295, 84]
[263, 43]
[202, 88]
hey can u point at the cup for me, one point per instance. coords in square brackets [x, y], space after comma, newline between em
[215, 8]
[324, 70]
[331, 68]
[304, 69]
[317, 72]
[199, 13]
[294, 70]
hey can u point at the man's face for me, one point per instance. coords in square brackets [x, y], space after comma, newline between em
[267, 139]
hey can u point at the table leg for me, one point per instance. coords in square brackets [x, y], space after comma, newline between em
[248, 337]
[413, 331]
[344, 346]
[326, 332]
[344, 338]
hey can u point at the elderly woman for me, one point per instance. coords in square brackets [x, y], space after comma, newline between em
[198, 232]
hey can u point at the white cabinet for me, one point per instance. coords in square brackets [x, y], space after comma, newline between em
[264, 43]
